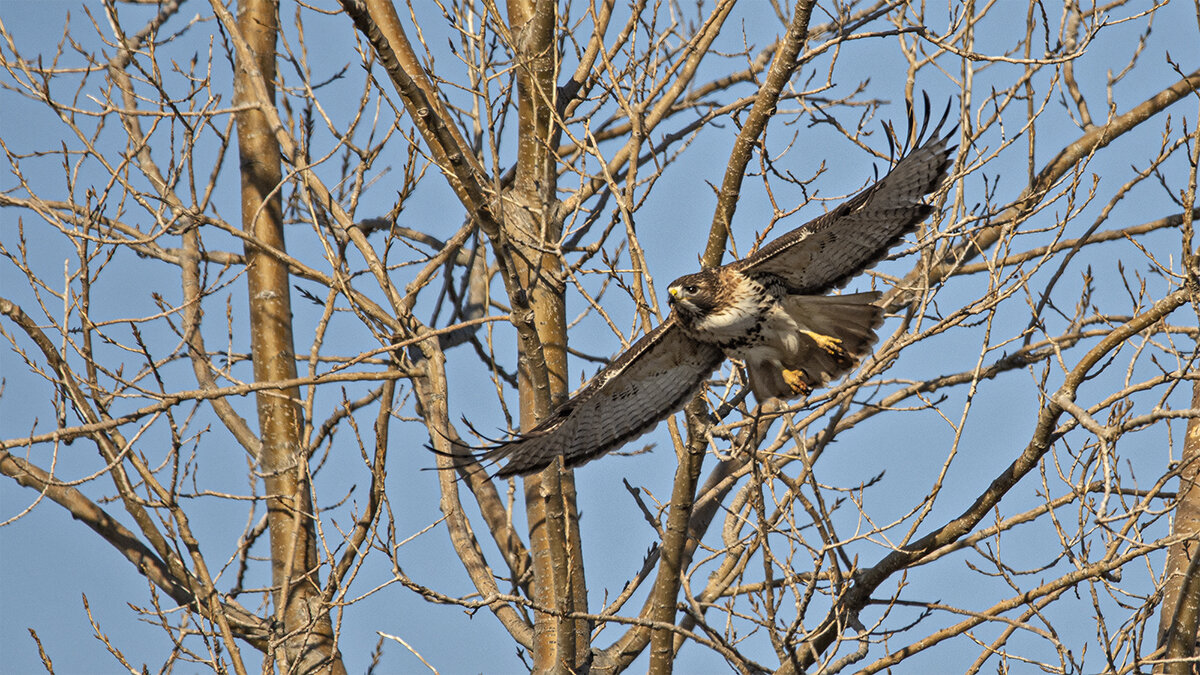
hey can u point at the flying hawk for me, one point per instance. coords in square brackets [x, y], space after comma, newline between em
[769, 310]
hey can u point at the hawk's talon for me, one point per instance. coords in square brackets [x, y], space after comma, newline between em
[830, 345]
[795, 382]
[827, 342]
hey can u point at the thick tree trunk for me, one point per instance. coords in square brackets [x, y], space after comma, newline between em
[532, 226]
[306, 642]
[1181, 590]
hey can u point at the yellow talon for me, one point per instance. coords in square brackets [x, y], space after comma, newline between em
[795, 382]
[829, 344]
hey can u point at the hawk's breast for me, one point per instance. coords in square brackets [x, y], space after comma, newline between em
[738, 316]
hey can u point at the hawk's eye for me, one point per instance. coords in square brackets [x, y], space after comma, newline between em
[690, 289]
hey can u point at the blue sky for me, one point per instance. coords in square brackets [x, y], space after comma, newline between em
[51, 561]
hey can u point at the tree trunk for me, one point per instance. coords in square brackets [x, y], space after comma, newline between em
[532, 226]
[1181, 589]
[306, 635]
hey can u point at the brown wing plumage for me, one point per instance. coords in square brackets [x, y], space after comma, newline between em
[652, 379]
[827, 252]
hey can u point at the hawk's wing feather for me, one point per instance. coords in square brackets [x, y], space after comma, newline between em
[652, 379]
[827, 252]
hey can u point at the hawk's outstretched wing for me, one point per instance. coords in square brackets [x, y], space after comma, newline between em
[827, 252]
[652, 379]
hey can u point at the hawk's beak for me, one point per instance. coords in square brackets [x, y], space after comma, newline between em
[672, 291]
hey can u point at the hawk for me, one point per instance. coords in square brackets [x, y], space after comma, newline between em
[768, 310]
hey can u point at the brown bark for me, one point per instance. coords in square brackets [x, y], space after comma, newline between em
[431, 388]
[532, 228]
[530, 224]
[1179, 622]
[674, 560]
[1181, 606]
[306, 640]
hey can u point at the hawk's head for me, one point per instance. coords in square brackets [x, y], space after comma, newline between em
[698, 294]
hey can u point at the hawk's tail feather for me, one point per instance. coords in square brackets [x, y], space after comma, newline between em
[836, 332]
[850, 317]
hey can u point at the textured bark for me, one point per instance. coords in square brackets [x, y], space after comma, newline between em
[674, 558]
[532, 228]
[1179, 622]
[306, 644]
[1180, 618]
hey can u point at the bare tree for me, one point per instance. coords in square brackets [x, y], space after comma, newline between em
[457, 210]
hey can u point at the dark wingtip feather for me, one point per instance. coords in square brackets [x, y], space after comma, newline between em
[476, 456]
[918, 138]
[496, 451]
